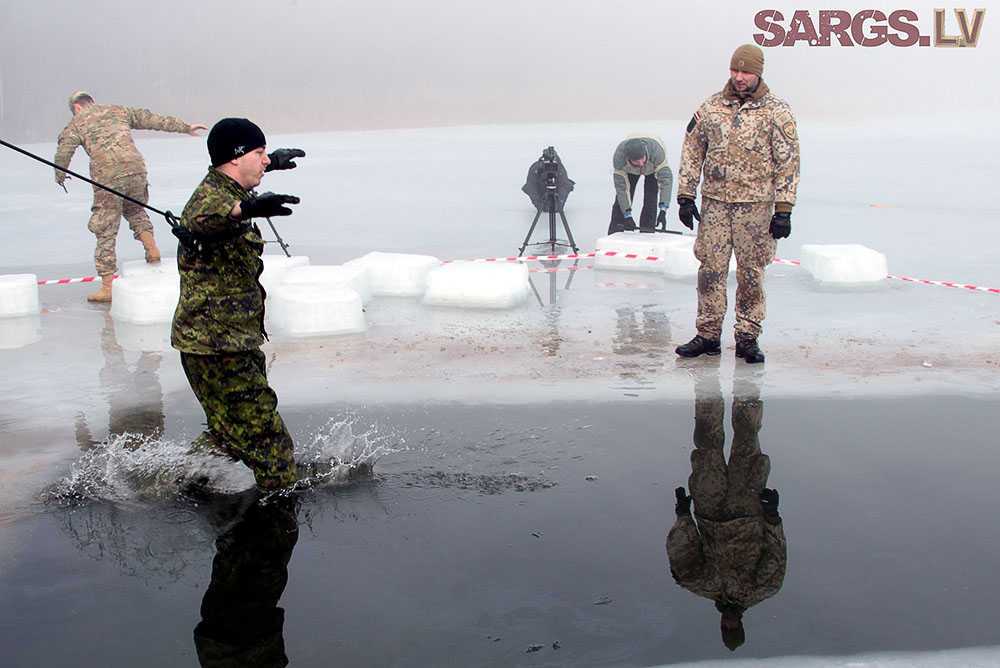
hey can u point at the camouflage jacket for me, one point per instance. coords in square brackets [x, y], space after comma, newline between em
[737, 562]
[104, 131]
[221, 307]
[656, 163]
[747, 149]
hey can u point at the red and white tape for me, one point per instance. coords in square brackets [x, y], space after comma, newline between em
[578, 256]
[63, 281]
[554, 269]
[977, 288]
[524, 257]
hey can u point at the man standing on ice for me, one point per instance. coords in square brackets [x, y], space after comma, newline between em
[105, 132]
[641, 154]
[218, 326]
[744, 140]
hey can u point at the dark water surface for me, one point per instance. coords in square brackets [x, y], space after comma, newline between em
[533, 535]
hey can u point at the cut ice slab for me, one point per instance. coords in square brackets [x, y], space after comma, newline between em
[315, 310]
[844, 263]
[136, 268]
[275, 267]
[477, 285]
[356, 278]
[18, 295]
[397, 274]
[669, 254]
[145, 299]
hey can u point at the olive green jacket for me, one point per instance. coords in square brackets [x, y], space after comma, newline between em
[221, 307]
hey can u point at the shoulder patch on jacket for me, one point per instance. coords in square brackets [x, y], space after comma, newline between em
[694, 120]
[786, 123]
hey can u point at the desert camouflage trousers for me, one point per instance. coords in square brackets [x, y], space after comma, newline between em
[739, 228]
[725, 490]
[242, 413]
[107, 212]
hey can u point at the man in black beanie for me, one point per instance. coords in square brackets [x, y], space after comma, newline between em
[218, 326]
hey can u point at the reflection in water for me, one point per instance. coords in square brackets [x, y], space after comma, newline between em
[241, 623]
[550, 345]
[135, 398]
[641, 338]
[732, 550]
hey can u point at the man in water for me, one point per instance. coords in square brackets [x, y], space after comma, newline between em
[218, 326]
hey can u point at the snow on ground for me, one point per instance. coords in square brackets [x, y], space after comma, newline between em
[977, 657]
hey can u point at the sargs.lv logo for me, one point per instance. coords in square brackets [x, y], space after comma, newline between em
[869, 27]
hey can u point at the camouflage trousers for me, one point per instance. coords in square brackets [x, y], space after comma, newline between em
[725, 229]
[242, 413]
[107, 212]
[241, 623]
[724, 490]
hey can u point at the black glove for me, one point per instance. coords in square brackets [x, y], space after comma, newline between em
[267, 205]
[284, 158]
[769, 501]
[661, 219]
[683, 505]
[688, 212]
[781, 225]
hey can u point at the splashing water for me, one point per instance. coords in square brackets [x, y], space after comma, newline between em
[131, 467]
[336, 454]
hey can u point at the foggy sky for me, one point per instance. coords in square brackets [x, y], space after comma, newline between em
[298, 65]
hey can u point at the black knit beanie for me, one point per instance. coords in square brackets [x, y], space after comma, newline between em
[231, 138]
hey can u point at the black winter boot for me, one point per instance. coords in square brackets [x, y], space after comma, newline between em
[699, 345]
[749, 350]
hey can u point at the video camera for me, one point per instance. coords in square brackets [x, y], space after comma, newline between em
[548, 185]
[549, 166]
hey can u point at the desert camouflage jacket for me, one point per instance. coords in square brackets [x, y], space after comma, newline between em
[221, 307]
[656, 163]
[737, 562]
[104, 131]
[748, 150]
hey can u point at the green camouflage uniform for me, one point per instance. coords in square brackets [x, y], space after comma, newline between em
[104, 131]
[729, 552]
[219, 327]
[241, 623]
[747, 148]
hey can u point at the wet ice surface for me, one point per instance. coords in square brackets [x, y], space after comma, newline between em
[486, 531]
[524, 459]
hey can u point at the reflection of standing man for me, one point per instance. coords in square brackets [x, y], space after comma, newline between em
[135, 397]
[744, 141]
[733, 550]
[105, 132]
[641, 154]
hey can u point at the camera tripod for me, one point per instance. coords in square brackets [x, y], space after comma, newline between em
[550, 206]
